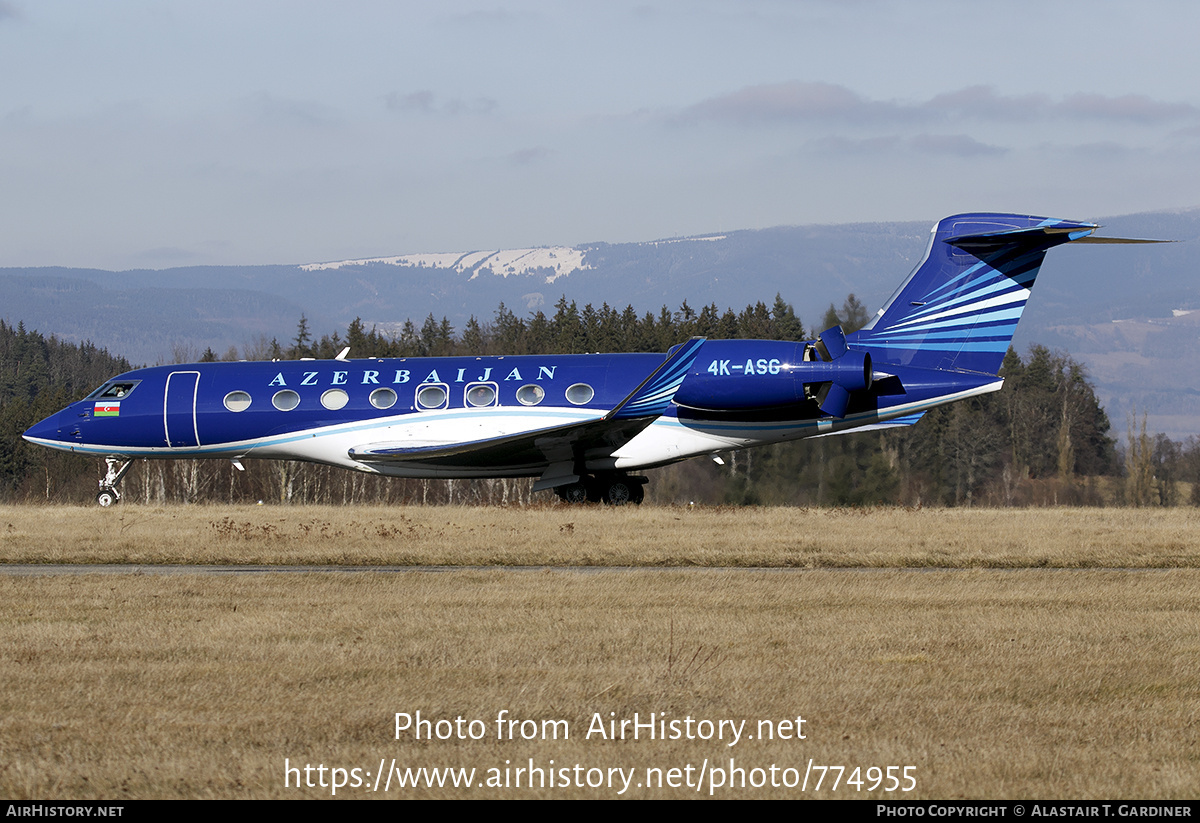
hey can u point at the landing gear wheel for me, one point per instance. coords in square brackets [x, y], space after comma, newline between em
[108, 495]
[619, 492]
[573, 493]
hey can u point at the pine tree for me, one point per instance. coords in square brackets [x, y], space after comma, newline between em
[300, 346]
[854, 314]
[787, 324]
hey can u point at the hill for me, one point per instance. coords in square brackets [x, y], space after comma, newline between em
[1123, 311]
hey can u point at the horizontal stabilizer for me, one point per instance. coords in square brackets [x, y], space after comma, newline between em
[894, 423]
[1092, 239]
[1048, 235]
[898, 422]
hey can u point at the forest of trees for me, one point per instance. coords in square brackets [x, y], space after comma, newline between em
[39, 376]
[1043, 440]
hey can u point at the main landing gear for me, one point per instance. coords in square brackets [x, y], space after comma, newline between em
[108, 494]
[614, 490]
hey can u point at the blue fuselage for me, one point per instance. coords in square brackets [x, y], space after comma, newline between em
[736, 393]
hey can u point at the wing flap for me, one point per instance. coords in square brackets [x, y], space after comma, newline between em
[526, 446]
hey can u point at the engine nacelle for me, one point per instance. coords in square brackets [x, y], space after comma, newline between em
[737, 375]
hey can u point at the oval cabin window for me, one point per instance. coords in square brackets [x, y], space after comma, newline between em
[580, 393]
[481, 395]
[431, 397]
[383, 398]
[285, 400]
[334, 399]
[530, 395]
[237, 401]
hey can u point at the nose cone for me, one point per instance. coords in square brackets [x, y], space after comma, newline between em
[50, 431]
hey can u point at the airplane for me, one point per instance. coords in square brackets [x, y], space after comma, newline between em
[583, 424]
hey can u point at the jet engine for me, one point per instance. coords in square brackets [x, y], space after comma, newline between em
[736, 375]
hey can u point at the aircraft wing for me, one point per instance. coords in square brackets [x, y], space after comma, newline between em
[558, 448]
[528, 448]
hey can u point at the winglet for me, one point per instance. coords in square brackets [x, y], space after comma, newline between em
[654, 394]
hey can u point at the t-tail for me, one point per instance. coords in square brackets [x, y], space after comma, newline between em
[959, 308]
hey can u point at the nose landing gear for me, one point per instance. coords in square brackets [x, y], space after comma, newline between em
[108, 494]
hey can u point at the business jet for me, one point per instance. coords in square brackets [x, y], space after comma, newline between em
[584, 424]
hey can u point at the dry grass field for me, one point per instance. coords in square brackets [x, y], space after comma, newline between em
[560, 535]
[1002, 654]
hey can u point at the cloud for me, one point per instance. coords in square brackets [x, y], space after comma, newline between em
[419, 101]
[801, 102]
[526, 157]
[19, 114]
[983, 102]
[8, 11]
[1105, 150]
[274, 109]
[424, 102]
[480, 105]
[837, 144]
[1188, 133]
[793, 101]
[958, 145]
[1136, 107]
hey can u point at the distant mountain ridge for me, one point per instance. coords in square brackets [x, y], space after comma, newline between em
[730, 269]
[155, 315]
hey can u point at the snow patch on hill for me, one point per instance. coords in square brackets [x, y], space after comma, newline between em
[707, 239]
[559, 260]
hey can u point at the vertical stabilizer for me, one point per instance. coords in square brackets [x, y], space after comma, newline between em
[959, 308]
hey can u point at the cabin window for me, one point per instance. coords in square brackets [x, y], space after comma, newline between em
[285, 400]
[580, 393]
[237, 401]
[481, 394]
[334, 399]
[432, 396]
[530, 394]
[383, 398]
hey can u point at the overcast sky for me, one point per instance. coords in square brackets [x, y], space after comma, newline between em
[152, 133]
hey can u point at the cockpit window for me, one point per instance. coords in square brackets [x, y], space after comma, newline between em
[115, 390]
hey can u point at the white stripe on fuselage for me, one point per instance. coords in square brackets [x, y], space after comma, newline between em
[330, 444]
